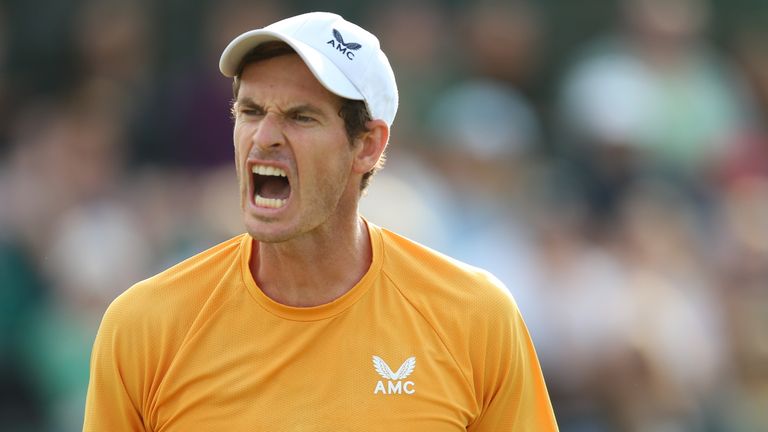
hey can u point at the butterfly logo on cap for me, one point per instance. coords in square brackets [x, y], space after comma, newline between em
[349, 45]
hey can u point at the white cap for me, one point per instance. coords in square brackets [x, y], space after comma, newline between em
[344, 57]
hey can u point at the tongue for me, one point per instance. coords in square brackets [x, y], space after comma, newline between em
[275, 187]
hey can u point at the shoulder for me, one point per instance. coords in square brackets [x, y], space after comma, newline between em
[434, 281]
[174, 295]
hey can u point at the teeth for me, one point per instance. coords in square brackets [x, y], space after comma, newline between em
[268, 171]
[269, 202]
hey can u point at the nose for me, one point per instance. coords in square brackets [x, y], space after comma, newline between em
[269, 133]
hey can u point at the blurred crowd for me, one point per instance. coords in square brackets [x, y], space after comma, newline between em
[606, 159]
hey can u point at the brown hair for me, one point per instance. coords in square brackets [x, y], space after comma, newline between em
[354, 112]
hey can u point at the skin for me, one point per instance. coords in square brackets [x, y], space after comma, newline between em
[315, 248]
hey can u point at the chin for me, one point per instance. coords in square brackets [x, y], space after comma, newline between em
[267, 238]
[269, 232]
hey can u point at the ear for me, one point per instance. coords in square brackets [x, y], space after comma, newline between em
[370, 146]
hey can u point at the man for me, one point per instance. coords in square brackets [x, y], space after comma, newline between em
[315, 320]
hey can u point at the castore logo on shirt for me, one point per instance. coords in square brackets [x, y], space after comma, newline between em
[394, 380]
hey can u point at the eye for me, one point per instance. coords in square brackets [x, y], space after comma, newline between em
[250, 111]
[303, 118]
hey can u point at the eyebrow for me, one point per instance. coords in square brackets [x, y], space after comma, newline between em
[247, 102]
[305, 108]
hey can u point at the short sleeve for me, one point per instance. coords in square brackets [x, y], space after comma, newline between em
[515, 396]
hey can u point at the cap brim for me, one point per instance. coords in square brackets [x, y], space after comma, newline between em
[322, 68]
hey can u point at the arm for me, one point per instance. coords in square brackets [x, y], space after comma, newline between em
[111, 405]
[515, 396]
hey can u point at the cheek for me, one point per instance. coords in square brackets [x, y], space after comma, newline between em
[239, 143]
[334, 165]
[238, 139]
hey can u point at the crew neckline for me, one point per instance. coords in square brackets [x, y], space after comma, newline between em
[323, 311]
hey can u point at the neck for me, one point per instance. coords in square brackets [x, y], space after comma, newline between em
[316, 268]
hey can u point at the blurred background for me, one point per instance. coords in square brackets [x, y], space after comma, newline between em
[607, 159]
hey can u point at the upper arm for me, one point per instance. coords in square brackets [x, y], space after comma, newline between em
[114, 400]
[514, 395]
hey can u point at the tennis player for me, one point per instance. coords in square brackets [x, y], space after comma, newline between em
[315, 319]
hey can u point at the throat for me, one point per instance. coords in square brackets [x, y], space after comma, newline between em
[310, 275]
[309, 287]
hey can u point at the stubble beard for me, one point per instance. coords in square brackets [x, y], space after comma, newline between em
[325, 204]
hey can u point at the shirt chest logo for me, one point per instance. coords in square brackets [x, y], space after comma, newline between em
[393, 382]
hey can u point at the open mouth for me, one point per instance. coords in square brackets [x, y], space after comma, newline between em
[271, 186]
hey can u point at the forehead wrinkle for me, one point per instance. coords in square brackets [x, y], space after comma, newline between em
[289, 73]
[288, 100]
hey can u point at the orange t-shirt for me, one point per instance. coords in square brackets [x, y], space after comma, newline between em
[421, 343]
